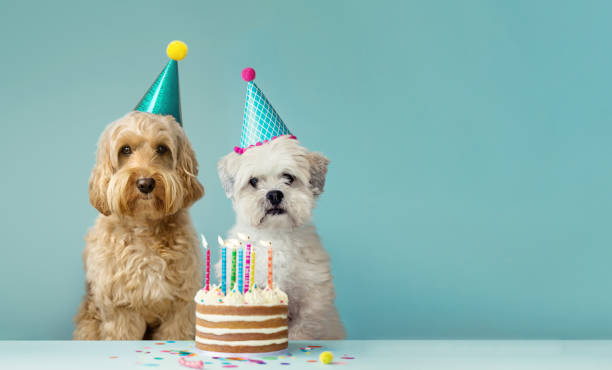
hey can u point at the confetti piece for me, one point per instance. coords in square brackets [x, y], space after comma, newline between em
[190, 364]
[113, 357]
[345, 357]
[160, 343]
[311, 360]
[138, 350]
[270, 358]
[230, 366]
[158, 358]
[170, 341]
[236, 359]
[285, 363]
[257, 361]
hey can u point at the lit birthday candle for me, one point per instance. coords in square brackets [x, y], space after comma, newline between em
[223, 265]
[252, 282]
[207, 277]
[248, 277]
[240, 270]
[270, 265]
[234, 245]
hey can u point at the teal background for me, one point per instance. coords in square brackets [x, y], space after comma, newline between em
[469, 190]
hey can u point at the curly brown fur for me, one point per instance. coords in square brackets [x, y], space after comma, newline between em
[142, 259]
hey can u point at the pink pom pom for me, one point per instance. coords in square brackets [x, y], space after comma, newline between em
[248, 74]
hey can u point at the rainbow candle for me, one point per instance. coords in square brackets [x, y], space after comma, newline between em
[270, 265]
[223, 266]
[245, 238]
[240, 269]
[247, 269]
[233, 281]
[207, 277]
[252, 268]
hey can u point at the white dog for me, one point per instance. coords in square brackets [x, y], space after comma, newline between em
[273, 188]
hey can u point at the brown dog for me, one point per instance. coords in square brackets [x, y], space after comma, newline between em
[142, 258]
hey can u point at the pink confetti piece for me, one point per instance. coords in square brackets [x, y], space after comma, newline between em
[226, 366]
[260, 362]
[311, 360]
[345, 357]
[191, 364]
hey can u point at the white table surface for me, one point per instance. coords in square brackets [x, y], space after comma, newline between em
[368, 354]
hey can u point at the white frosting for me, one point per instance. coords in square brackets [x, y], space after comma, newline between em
[255, 297]
[233, 343]
[221, 331]
[222, 318]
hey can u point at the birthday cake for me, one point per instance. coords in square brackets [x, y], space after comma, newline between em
[253, 322]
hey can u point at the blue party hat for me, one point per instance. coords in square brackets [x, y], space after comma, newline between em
[163, 97]
[261, 122]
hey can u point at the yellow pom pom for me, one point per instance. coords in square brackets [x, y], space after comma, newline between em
[326, 357]
[177, 50]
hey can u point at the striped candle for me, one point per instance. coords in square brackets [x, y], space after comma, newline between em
[207, 276]
[233, 279]
[252, 283]
[240, 270]
[224, 269]
[247, 269]
[270, 285]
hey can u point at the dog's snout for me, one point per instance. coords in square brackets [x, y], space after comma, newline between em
[275, 197]
[145, 184]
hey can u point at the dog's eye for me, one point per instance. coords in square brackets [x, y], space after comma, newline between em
[289, 178]
[126, 150]
[161, 149]
[253, 182]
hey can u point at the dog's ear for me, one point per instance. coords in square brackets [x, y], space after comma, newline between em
[228, 168]
[100, 176]
[318, 170]
[187, 167]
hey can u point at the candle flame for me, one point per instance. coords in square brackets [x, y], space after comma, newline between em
[265, 243]
[204, 242]
[220, 240]
[244, 237]
[233, 243]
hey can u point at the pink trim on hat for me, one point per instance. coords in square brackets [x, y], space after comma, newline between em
[240, 150]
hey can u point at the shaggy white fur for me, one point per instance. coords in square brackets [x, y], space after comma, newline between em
[301, 265]
[142, 258]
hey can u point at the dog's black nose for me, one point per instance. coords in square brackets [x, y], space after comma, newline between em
[275, 197]
[145, 184]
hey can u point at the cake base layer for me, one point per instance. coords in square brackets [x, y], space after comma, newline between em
[247, 354]
[240, 349]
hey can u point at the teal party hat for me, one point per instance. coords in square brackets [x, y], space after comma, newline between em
[163, 96]
[261, 122]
